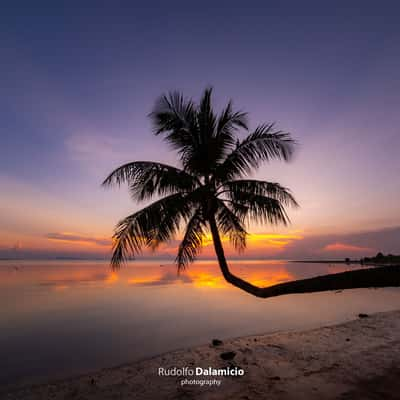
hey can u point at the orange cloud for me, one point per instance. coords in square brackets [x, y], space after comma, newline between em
[77, 238]
[345, 247]
[258, 244]
[276, 241]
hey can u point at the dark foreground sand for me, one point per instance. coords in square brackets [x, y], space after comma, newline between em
[356, 360]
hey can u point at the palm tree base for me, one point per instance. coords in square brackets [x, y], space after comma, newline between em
[361, 278]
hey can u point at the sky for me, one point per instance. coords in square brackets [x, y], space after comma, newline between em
[77, 83]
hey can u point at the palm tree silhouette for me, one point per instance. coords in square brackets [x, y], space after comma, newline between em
[210, 192]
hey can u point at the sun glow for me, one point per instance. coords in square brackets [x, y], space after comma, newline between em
[273, 240]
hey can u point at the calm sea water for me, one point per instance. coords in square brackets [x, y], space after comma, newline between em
[63, 318]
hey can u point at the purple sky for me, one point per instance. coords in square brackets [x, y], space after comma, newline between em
[78, 83]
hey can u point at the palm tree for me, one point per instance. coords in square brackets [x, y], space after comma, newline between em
[210, 192]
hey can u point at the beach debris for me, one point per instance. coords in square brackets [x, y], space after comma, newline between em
[228, 355]
[347, 340]
[275, 378]
[361, 315]
[246, 350]
[276, 346]
[217, 342]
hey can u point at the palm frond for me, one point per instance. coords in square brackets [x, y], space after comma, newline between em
[147, 178]
[230, 120]
[154, 224]
[231, 224]
[176, 118]
[206, 117]
[227, 125]
[234, 189]
[172, 112]
[264, 144]
[192, 241]
[259, 209]
[199, 155]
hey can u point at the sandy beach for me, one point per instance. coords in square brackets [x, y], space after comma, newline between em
[355, 360]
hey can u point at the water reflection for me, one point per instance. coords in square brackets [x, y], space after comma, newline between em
[64, 275]
[91, 317]
[166, 278]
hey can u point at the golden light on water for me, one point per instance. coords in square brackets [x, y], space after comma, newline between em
[112, 278]
[207, 279]
[208, 275]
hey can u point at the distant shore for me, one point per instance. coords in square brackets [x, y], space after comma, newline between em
[327, 261]
[348, 262]
[353, 360]
[380, 260]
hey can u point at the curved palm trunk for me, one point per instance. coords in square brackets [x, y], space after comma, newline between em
[372, 277]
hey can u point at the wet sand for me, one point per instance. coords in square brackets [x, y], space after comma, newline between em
[359, 359]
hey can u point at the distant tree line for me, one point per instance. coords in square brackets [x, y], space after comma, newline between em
[380, 258]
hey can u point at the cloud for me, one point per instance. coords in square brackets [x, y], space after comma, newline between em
[367, 243]
[76, 238]
[274, 241]
[99, 152]
[261, 246]
[346, 247]
[95, 148]
[257, 243]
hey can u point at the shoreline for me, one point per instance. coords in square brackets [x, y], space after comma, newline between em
[349, 262]
[322, 363]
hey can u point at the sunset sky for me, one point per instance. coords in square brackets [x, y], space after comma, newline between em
[78, 83]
